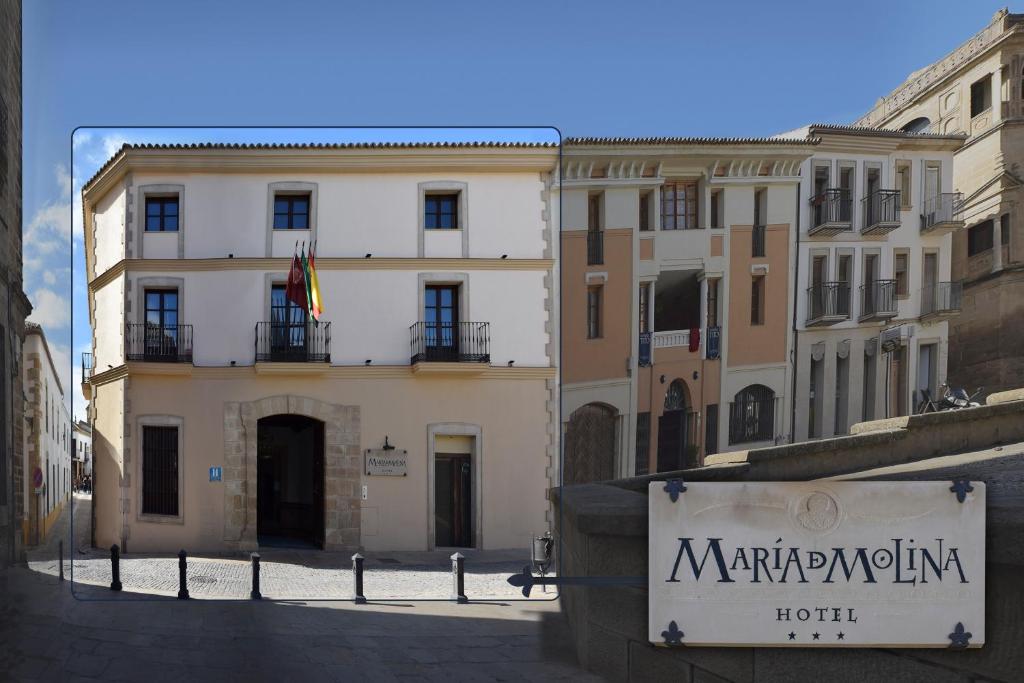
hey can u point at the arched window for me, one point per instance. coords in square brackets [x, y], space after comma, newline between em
[752, 415]
[919, 125]
[675, 397]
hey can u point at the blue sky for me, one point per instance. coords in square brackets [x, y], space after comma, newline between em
[589, 68]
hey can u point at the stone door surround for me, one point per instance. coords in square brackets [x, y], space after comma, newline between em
[342, 473]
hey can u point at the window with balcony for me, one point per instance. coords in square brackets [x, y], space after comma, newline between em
[160, 337]
[981, 95]
[594, 296]
[162, 214]
[900, 261]
[903, 179]
[679, 206]
[291, 211]
[979, 238]
[441, 211]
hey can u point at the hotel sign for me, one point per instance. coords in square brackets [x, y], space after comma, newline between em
[817, 564]
[385, 463]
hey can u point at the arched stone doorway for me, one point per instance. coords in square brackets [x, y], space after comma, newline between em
[290, 481]
[342, 468]
[590, 444]
[677, 430]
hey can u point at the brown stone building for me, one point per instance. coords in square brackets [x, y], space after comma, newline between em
[978, 89]
[14, 306]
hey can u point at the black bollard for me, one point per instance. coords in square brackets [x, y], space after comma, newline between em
[357, 577]
[115, 568]
[60, 558]
[255, 594]
[182, 576]
[459, 578]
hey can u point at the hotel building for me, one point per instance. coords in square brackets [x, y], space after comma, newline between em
[420, 412]
[677, 272]
[48, 440]
[977, 90]
[873, 289]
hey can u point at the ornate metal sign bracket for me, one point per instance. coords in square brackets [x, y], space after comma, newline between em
[674, 487]
[961, 487]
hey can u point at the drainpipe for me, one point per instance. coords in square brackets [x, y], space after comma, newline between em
[795, 350]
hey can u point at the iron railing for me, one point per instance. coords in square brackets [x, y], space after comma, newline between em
[943, 209]
[942, 297]
[757, 241]
[450, 342]
[828, 300]
[832, 206]
[713, 342]
[752, 416]
[881, 207]
[878, 298]
[293, 342]
[595, 247]
[158, 343]
[87, 364]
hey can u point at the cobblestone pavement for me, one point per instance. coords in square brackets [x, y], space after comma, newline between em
[48, 634]
[284, 573]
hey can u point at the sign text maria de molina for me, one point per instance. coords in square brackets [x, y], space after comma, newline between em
[900, 561]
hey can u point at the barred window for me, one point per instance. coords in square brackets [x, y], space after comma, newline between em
[160, 470]
[752, 415]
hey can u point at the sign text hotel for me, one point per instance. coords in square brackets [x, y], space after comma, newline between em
[894, 564]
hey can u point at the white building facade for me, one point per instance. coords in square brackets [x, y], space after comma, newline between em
[48, 439]
[874, 292]
[418, 414]
[82, 456]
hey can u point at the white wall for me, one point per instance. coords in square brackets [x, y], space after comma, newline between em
[109, 226]
[53, 427]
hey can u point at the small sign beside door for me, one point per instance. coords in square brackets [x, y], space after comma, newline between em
[385, 463]
[216, 473]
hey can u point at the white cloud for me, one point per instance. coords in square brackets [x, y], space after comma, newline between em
[49, 309]
[80, 138]
[63, 180]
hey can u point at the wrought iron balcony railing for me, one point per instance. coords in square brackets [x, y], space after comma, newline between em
[293, 342]
[450, 342]
[713, 342]
[941, 299]
[881, 212]
[828, 303]
[595, 247]
[878, 300]
[831, 212]
[943, 212]
[158, 343]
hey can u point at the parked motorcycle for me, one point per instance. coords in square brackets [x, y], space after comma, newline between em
[953, 398]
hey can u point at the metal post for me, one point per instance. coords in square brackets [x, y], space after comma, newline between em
[182, 578]
[60, 558]
[115, 568]
[357, 577]
[255, 594]
[459, 578]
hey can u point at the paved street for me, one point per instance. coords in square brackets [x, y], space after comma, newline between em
[50, 634]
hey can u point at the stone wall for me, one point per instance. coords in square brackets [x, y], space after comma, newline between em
[603, 532]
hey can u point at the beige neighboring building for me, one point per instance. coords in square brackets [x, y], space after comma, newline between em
[978, 90]
[48, 440]
[677, 273]
[420, 413]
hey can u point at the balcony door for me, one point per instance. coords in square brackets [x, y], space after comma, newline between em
[441, 322]
[287, 326]
[161, 331]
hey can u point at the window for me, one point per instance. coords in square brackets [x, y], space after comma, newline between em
[679, 206]
[594, 312]
[161, 214]
[903, 172]
[291, 212]
[287, 322]
[161, 307]
[643, 443]
[900, 261]
[752, 415]
[716, 208]
[441, 211]
[757, 236]
[757, 300]
[981, 95]
[645, 211]
[441, 322]
[1004, 229]
[979, 238]
[711, 430]
[159, 470]
[594, 212]
[645, 306]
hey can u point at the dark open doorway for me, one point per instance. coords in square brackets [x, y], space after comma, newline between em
[453, 501]
[290, 481]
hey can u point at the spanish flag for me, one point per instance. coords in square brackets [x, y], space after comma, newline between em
[316, 307]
